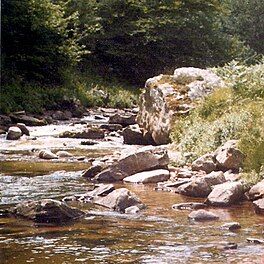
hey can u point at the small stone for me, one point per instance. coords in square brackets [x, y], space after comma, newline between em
[227, 246]
[89, 143]
[47, 154]
[63, 154]
[255, 240]
[189, 206]
[231, 226]
[132, 210]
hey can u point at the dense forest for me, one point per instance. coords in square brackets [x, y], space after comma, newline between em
[52, 49]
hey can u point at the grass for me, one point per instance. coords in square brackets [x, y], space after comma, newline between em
[233, 112]
[91, 89]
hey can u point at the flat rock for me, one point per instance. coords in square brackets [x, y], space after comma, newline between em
[257, 191]
[27, 120]
[47, 211]
[146, 158]
[119, 199]
[202, 215]
[153, 176]
[226, 194]
[259, 206]
[13, 133]
[88, 133]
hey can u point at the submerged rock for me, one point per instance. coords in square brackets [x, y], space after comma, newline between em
[149, 176]
[119, 200]
[146, 158]
[167, 96]
[189, 206]
[47, 211]
[203, 215]
[14, 133]
[226, 194]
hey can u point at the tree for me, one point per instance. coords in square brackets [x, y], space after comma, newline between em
[39, 39]
[137, 39]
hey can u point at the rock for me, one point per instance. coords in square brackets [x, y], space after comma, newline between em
[255, 240]
[187, 173]
[204, 163]
[226, 194]
[189, 206]
[88, 143]
[132, 210]
[145, 158]
[63, 154]
[2, 131]
[47, 154]
[5, 120]
[119, 200]
[202, 215]
[231, 226]
[259, 206]
[47, 211]
[149, 176]
[134, 136]
[23, 128]
[13, 133]
[170, 186]
[92, 171]
[201, 186]
[167, 96]
[62, 115]
[89, 133]
[226, 245]
[228, 156]
[124, 120]
[257, 191]
[111, 127]
[27, 120]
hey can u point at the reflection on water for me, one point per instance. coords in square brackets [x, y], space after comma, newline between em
[157, 235]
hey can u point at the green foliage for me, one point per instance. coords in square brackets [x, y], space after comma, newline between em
[136, 39]
[39, 39]
[233, 112]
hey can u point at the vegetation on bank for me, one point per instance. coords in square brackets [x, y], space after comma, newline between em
[233, 112]
[53, 49]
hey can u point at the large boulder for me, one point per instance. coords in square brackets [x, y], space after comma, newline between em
[119, 200]
[146, 158]
[257, 191]
[201, 186]
[46, 211]
[167, 96]
[226, 194]
[259, 206]
[13, 133]
[153, 176]
[228, 156]
[27, 120]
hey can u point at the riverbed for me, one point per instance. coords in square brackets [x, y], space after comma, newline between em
[158, 234]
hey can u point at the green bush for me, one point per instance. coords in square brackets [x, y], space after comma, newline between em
[233, 112]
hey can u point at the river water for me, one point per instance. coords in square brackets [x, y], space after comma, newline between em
[157, 235]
